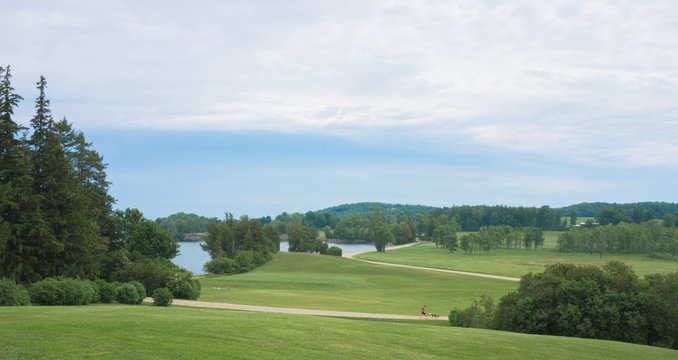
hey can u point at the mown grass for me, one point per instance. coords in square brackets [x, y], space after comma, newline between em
[332, 283]
[147, 332]
[513, 262]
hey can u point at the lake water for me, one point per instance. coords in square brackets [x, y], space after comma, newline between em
[192, 257]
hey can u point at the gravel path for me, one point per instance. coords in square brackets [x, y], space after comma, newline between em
[488, 276]
[279, 310]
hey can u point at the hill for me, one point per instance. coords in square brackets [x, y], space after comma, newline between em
[365, 208]
[333, 283]
[590, 209]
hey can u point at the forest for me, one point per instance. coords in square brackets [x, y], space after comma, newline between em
[56, 214]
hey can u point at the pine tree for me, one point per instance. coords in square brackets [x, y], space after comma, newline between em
[14, 180]
[64, 238]
[55, 210]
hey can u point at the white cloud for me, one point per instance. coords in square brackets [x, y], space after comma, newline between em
[578, 78]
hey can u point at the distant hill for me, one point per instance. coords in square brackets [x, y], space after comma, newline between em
[365, 208]
[587, 209]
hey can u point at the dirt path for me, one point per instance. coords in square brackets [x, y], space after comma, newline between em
[279, 310]
[488, 276]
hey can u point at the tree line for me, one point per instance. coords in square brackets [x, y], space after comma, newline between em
[657, 208]
[182, 224]
[650, 237]
[56, 216]
[408, 225]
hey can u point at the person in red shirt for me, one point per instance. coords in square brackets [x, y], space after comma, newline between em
[423, 312]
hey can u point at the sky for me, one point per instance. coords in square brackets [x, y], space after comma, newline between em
[260, 107]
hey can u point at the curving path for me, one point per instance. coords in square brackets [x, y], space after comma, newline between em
[279, 310]
[488, 276]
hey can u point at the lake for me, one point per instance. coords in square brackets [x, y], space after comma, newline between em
[192, 257]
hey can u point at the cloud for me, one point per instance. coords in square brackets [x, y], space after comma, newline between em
[580, 79]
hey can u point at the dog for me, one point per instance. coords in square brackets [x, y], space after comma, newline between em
[434, 316]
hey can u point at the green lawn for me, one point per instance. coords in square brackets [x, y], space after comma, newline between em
[515, 262]
[147, 332]
[332, 283]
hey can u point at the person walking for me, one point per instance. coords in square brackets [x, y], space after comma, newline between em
[423, 312]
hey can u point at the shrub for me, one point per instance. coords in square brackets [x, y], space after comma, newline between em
[140, 289]
[107, 291]
[183, 286]
[128, 294]
[244, 261]
[46, 292]
[75, 292]
[93, 289]
[12, 294]
[457, 318]
[481, 314]
[334, 251]
[152, 274]
[64, 291]
[220, 265]
[162, 297]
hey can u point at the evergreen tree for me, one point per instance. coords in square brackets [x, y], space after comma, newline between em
[69, 205]
[51, 189]
[14, 178]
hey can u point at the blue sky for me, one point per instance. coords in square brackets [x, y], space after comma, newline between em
[262, 107]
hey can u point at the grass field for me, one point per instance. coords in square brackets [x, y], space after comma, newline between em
[147, 332]
[514, 262]
[332, 283]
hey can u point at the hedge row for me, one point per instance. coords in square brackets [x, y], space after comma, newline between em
[67, 291]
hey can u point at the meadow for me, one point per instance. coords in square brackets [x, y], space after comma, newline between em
[148, 332]
[511, 262]
[300, 280]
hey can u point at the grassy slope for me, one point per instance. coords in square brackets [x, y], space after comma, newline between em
[146, 332]
[510, 262]
[333, 283]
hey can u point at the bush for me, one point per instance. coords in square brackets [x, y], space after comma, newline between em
[334, 251]
[152, 274]
[140, 289]
[75, 292]
[457, 318]
[162, 297]
[93, 289]
[244, 261]
[220, 265]
[12, 294]
[107, 291]
[480, 315]
[64, 291]
[46, 292]
[128, 294]
[183, 286]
